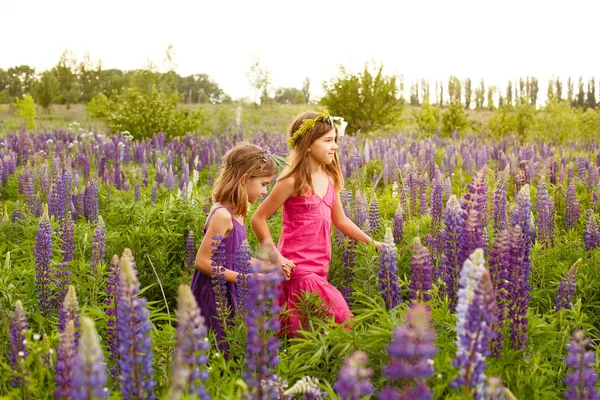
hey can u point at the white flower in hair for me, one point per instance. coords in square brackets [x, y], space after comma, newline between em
[342, 127]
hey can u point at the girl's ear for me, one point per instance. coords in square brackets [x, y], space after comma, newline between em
[243, 179]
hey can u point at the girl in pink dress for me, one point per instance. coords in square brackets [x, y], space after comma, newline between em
[309, 192]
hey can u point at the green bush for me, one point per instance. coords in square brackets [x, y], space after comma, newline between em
[428, 117]
[144, 114]
[368, 101]
[454, 118]
[26, 110]
[517, 119]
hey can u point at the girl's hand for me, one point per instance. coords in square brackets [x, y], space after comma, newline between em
[287, 266]
[377, 245]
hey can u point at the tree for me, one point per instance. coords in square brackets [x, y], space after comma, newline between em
[479, 96]
[89, 79]
[550, 93]
[570, 91]
[19, 81]
[367, 100]
[454, 89]
[306, 89]
[424, 88]
[414, 94]
[289, 96]
[65, 72]
[427, 117]
[260, 79]
[490, 97]
[454, 118]
[590, 101]
[200, 88]
[46, 89]
[558, 89]
[468, 93]
[580, 94]
[533, 90]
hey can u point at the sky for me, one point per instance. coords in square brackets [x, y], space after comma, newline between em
[495, 40]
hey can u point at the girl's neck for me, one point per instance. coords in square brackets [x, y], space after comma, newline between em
[315, 167]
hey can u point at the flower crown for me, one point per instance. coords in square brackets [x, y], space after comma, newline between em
[264, 155]
[308, 124]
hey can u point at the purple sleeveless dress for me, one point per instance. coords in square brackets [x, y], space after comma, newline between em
[202, 284]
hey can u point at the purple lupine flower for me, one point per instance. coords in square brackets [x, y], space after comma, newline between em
[18, 351]
[17, 216]
[65, 357]
[494, 390]
[117, 179]
[423, 196]
[545, 223]
[136, 192]
[388, 272]
[521, 215]
[88, 376]
[360, 209]
[218, 277]
[571, 206]
[500, 270]
[112, 285]
[348, 260]
[518, 287]
[189, 364]
[98, 245]
[422, 267]
[354, 378]
[567, 286]
[475, 314]
[133, 335]
[67, 233]
[474, 211]
[242, 266]
[170, 180]
[411, 354]
[448, 270]
[582, 377]
[90, 202]
[592, 233]
[154, 192]
[374, 215]
[399, 224]
[262, 325]
[69, 311]
[413, 185]
[190, 251]
[437, 206]
[43, 255]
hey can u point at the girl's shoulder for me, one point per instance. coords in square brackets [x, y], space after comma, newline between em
[220, 216]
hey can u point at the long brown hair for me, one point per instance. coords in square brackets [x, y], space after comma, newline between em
[299, 167]
[242, 162]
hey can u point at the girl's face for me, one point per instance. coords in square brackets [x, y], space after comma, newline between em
[323, 149]
[257, 187]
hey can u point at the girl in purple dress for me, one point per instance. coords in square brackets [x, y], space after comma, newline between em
[243, 179]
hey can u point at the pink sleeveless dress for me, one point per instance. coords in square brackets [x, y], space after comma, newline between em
[306, 240]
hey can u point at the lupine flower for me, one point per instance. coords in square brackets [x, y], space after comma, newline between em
[437, 206]
[493, 388]
[474, 210]
[262, 325]
[17, 216]
[218, 277]
[354, 378]
[190, 251]
[450, 242]
[592, 233]
[65, 357]
[399, 224]
[374, 215]
[133, 335]
[18, 351]
[545, 210]
[522, 216]
[348, 260]
[308, 386]
[388, 278]
[90, 202]
[69, 311]
[571, 206]
[88, 376]
[189, 365]
[500, 270]
[413, 185]
[360, 209]
[519, 288]
[411, 355]
[567, 286]
[475, 314]
[43, 255]
[112, 285]
[422, 267]
[154, 192]
[582, 377]
[242, 264]
[98, 245]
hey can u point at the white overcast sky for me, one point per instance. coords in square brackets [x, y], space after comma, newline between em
[497, 40]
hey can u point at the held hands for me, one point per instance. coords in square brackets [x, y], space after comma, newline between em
[287, 266]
